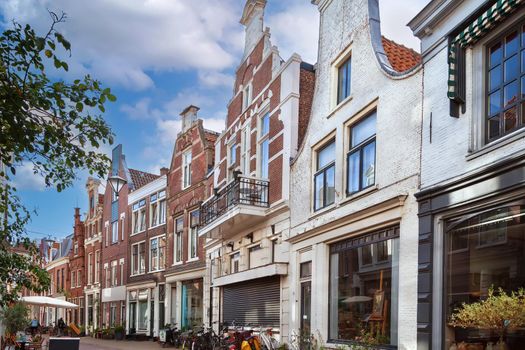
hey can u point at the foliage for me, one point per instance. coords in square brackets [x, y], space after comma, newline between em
[55, 126]
[499, 311]
[15, 317]
[119, 328]
[368, 337]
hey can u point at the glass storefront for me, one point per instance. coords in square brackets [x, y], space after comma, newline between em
[364, 287]
[191, 303]
[143, 310]
[483, 251]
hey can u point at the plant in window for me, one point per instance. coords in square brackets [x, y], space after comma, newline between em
[499, 312]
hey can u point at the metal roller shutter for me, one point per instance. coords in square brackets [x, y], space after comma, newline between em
[255, 302]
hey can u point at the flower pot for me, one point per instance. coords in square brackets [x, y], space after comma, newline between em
[119, 335]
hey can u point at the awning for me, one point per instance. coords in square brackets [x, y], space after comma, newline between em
[47, 301]
[472, 33]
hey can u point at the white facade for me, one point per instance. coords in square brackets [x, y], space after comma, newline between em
[351, 29]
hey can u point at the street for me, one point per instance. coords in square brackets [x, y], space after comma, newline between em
[89, 343]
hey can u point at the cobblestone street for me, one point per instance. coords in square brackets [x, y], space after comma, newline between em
[88, 343]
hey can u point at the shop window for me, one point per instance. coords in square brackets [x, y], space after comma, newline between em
[143, 310]
[191, 303]
[484, 250]
[364, 288]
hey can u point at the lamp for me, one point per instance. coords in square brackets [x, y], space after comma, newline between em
[117, 183]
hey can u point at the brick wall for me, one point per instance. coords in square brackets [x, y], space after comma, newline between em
[306, 90]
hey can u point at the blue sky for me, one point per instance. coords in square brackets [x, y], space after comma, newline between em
[159, 56]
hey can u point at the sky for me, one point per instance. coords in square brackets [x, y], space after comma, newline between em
[159, 56]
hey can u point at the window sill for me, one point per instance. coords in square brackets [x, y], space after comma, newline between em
[137, 274]
[494, 145]
[177, 263]
[358, 195]
[339, 106]
[137, 233]
[192, 259]
[322, 211]
[153, 271]
[158, 225]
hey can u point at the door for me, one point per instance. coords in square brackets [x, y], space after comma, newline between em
[306, 302]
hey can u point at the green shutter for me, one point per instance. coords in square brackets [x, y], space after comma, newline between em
[499, 11]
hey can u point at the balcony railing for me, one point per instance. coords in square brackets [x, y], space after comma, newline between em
[241, 191]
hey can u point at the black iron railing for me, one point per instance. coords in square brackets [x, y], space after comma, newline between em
[242, 190]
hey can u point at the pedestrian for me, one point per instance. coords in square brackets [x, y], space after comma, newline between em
[34, 325]
[61, 326]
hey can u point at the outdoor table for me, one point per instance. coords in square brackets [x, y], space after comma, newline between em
[64, 343]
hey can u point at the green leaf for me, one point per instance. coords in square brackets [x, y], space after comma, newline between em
[66, 67]
[48, 53]
[79, 106]
[57, 62]
[112, 98]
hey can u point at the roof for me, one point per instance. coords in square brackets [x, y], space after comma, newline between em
[401, 58]
[141, 178]
[211, 136]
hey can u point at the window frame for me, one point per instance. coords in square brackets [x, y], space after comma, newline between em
[245, 158]
[345, 63]
[178, 241]
[160, 263]
[359, 148]
[499, 37]
[187, 158]
[114, 232]
[136, 259]
[158, 199]
[193, 229]
[323, 171]
[261, 140]
[247, 97]
[137, 218]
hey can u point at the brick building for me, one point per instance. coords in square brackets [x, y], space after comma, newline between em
[77, 270]
[188, 185]
[146, 230]
[246, 217]
[92, 254]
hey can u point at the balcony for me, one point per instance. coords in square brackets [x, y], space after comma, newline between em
[240, 204]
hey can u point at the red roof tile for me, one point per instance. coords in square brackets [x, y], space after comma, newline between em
[141, 178]
[401, 58]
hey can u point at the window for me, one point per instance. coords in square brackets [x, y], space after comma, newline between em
[157, 253]
[107, 273]
[324, 178]
[232, 154]
[245, 150]
[361, 157]
[483, 250]
[193, 234]
[177, 240]
[264, 143]
[97, 266]
[361, 294]
[90, 268]
[192, 303]
[246, 96]
[505, 74]
[112, 314]
[138, 258]
[114, 232]
[139, 216]
[343, 80]
[75, 248]
[186, 169]
[256, 255]
[79, 278]
[114, 280]
[158, 208]
[235, 260]
[73, 279]
[306, 296]
[143, 309]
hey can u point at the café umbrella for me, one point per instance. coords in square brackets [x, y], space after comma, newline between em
[48, 301]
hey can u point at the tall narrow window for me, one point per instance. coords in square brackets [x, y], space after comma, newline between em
[324, 177]
[361, 158]
[90, 268]
[506, 85]
[142, 257]
[193, 234]
[177, 240]
[97, 266]
[114, 280]
[134, 259]
[114, 232]
[158, 208]
[343, 80]
[162, 207]
[235, 260]
[245, 150]
[154, 210]
[139, 216]
[264, 145]
[153, 252]
[186, 169]
[246, 96]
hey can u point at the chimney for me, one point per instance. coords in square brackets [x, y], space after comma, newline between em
[189, 115]
[77, 216]
[163, 171]
[252, 20]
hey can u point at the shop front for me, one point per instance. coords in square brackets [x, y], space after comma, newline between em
[184, 303]
[192, 305]
[146, 314]
[472, 247]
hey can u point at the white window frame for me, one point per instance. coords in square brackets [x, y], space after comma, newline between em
[261, 139]
[193, 231]
[341, 59]
[158, 200]
[79, 278]
[114, 276]
[246, 96]
[90, 268]
[176, 244]
[114, 232]
[73, 279]
[139, 271]
[246, 133]
[187, 158]
[97, 266]
[138, 217]
[160, 267]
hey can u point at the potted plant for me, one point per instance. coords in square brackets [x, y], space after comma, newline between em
[82, 331]
[15, 318]
[119, 332]
[499, 312]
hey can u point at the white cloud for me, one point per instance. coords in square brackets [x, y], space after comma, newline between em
[394, 17]
[119, 41]
[214, 79]
[26, 179]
